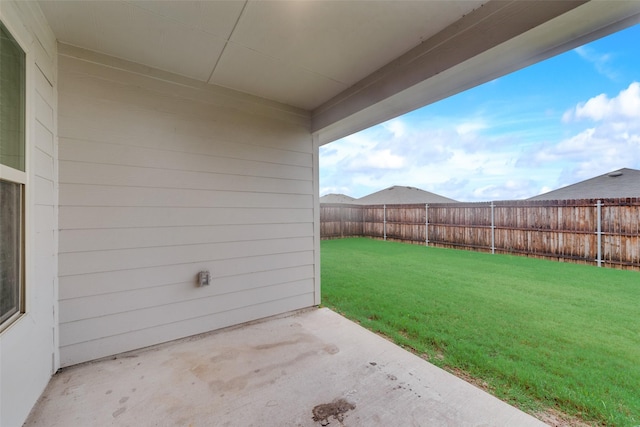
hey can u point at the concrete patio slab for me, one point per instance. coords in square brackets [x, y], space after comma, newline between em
[310, 368]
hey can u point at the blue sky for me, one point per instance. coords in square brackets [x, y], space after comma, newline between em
[572, 117]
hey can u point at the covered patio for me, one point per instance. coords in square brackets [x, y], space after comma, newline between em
[308, 368]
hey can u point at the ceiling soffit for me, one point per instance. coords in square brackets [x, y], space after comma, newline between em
[300, 53]
[351, 64]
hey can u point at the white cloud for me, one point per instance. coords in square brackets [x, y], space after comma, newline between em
[334, 190]
[622, 107]
[449, 159]
[396, 127]
[594, 109]
[452, 157]
[509, 190]
[612, 140]
[382, 159]
[470, 127]
[601, 61]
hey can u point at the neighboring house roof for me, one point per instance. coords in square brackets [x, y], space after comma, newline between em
[402, 195]
[616, 184]
[337, 198]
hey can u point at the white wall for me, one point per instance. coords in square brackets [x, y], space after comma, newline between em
[28, 348]
[161, 177]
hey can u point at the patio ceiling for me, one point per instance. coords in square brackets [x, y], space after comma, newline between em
[300, 53]
[350, 63]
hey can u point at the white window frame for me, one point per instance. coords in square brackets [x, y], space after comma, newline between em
[20, 177]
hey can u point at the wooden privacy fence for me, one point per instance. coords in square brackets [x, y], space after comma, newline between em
[602, 232]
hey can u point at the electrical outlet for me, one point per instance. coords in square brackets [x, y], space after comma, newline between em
[204, 278]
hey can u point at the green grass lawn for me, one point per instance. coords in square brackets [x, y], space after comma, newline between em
[538, 334]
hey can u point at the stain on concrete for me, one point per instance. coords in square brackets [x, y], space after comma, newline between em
[227, 354]
[277, 344]
[268, 371]
[124, 399]
[70, 390]
[335, 409]
[206, 370]
[233, 385]
[332, 349]
[119, 412]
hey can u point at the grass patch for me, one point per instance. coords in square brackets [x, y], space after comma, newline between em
[539, 334]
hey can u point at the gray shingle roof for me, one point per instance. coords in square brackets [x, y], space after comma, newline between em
[616, 184]
[336, 198]
[402, 195]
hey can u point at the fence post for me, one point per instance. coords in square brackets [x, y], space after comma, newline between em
[599, 231]
[426, 224]
[493, 230]
[384, 221]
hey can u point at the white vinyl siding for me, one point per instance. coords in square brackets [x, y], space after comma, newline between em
[162, 178]
[28, 348]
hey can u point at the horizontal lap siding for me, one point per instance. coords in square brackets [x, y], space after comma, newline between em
[229, 272]
[28, 348]
[135, 337]
[158, 182]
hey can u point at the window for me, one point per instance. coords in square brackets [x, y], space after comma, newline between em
[12, 177]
